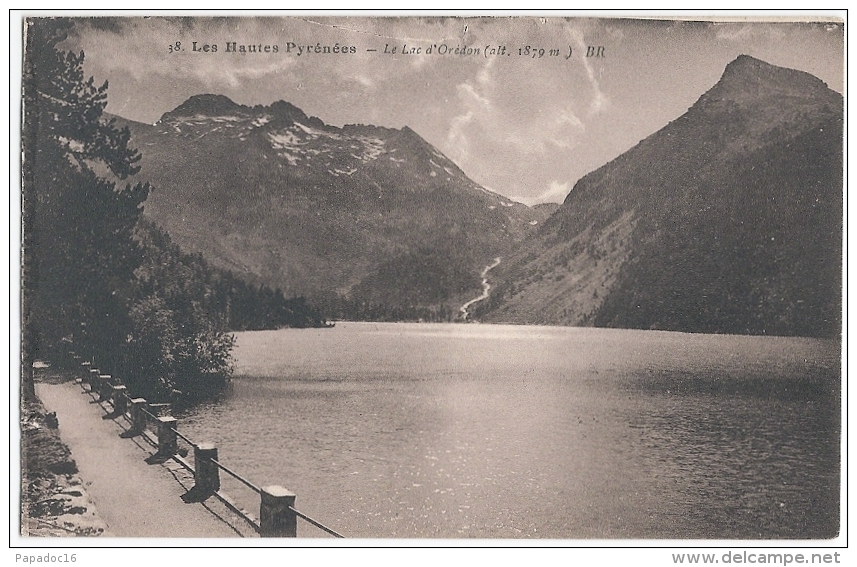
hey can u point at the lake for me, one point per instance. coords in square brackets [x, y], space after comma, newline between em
[400, 430]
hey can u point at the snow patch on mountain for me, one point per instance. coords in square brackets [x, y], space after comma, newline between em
[373, 147]
[315, 134]
[285, 140]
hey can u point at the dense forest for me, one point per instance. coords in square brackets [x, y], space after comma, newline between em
[361, 309]
[97, 277]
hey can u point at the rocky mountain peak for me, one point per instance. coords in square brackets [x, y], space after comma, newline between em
[221, 106]
[289, 112]
[750, 79]
[205, 105]
[749, 69]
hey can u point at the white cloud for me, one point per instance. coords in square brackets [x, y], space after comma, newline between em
[566, 116]
[365, 81]
[149, 46]
[558, 126]
[477, 109]
[555, 193]
[599, 99]
[469, 94]
[458, 146]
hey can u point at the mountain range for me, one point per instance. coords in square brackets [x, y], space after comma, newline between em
[372, 214]
[727, 220]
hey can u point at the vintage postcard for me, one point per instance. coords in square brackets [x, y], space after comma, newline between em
[433, 277]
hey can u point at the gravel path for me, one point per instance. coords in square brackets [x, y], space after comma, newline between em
[134, 499]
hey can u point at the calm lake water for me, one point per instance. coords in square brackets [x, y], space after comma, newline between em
[492, 431]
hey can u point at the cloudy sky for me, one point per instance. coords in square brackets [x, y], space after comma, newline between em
[525, 127]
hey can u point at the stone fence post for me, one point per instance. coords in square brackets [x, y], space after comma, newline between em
[276, 519]
[138, 417]
[167, 438]
[206, 473]
[94, 380]
[119, 399]
[104, 386]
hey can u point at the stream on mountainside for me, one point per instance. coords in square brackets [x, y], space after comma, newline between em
[486, 288]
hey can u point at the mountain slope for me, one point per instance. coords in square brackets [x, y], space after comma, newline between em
[727, 220]
[375, 213]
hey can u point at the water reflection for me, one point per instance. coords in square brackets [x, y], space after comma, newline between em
[490, 431]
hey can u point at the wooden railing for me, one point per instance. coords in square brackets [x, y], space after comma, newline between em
[277, 513]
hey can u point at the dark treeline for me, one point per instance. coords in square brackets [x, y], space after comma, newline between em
[426, 284]
[187, 283]
[356, 309]
[96, 277]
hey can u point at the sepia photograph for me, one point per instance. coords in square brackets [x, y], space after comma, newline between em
[493, 278]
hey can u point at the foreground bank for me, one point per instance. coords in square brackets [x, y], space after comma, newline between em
[54, 500]
[133, 498]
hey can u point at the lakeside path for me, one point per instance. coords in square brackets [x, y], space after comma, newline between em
[133, 498]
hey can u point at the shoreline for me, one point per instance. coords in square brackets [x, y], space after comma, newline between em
[120, 494]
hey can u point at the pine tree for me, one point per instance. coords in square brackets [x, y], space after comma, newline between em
[79, 256]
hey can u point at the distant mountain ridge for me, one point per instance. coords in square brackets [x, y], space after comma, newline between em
[727, 220]
[374, 214]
